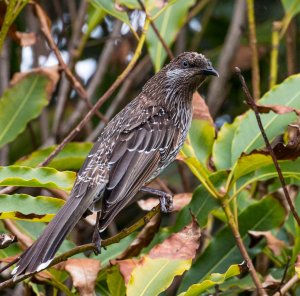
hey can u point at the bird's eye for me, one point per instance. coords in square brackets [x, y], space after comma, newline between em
[185, 64]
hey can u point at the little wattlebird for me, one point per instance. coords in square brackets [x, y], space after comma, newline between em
[135, 146]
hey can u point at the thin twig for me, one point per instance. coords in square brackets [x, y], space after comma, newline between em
[288, 285]
[284, 275]
[242, 248]
[253, 106]
[89, 247]
[64, 86]
[47, 33]
[274, 53]
[75, 82]
[253, 45]
[291, 47]
[162, 41]
[103, 62]
[99, 103]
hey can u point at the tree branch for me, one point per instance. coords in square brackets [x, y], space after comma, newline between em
[253, 106]
[241, 246]
[253, 45]
[89, 247]
[99, 103]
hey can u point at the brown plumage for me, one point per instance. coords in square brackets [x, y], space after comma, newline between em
[135, 146]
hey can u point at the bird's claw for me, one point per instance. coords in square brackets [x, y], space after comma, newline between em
[97, 242]
[166, 203]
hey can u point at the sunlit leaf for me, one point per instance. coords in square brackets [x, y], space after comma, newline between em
[110, 8]
[248, 137]
[36, 177]
[27, 207]
[221, 151]
[70, 158]
[214, 279]
[154, 276]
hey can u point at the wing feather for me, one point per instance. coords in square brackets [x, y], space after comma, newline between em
[145, 151]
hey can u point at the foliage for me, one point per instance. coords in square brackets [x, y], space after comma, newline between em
[231, 187]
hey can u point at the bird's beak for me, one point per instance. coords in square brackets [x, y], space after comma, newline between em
[210, 71]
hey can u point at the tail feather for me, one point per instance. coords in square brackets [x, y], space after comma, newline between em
[41, 253]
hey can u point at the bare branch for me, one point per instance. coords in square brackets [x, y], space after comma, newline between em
[89, 247]
[99, 103]
[103, 63]
[216, 93]
[253, 45]
[253, 106]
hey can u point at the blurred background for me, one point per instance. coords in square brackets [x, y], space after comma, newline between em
[97, 40]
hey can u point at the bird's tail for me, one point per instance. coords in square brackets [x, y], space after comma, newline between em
[41, 253]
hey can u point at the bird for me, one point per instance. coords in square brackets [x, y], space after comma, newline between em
[132, 150]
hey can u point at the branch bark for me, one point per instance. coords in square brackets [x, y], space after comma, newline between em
[253, 45]
[99, 103]
[253, 106]
[103, 63]
[216, 89]
[89, 247]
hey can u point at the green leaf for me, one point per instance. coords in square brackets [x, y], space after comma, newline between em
[36, 177]
[115, 282]
[292, 8]
[222, 251]
[221, 151]
[290, 171]
[201, 205]
[247, 164]
[70, 158]
[109, 7]
[248, 137]
[27, 207]
[214, 279]
[23, 102]
[155, 275]
[168, 24]
[201, 137]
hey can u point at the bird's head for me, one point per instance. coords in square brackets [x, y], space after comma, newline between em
[189, 70]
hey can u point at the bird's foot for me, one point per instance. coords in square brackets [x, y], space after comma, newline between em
[97, 242]
[166, 199]
[166, 203]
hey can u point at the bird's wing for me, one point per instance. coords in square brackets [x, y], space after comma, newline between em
[139, 152]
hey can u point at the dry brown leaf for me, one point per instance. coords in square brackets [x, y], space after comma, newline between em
[179, 201]
[6, 240]
[126, 267]
[84, 273]
[200, 109]
[278, 109]
[270, 283]
[26, 39]
[273, 243]
[51, 73]
[24, 240]
[180, 245]
[143, 239]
